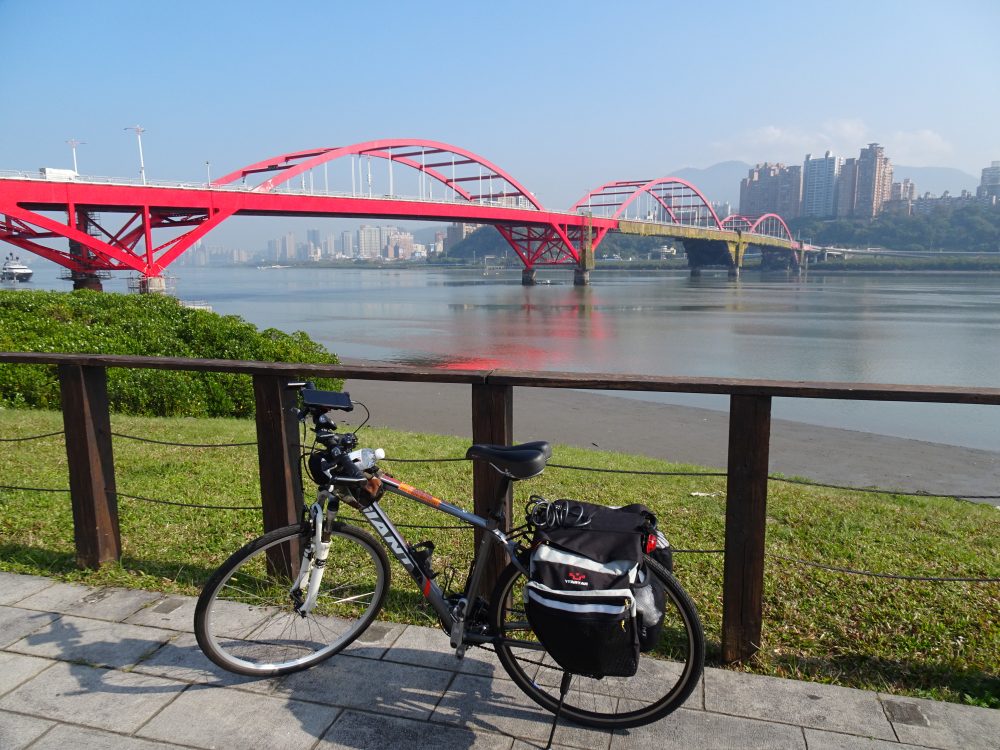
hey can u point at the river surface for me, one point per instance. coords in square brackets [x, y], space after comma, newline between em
[933, 329]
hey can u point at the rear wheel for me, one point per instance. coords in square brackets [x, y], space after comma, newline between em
[666, 676]
[246, 620]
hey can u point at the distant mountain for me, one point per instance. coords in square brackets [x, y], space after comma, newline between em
[425, 234]
[719, 182]
[936, 180]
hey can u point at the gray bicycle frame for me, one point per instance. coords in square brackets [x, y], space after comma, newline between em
[400, 548]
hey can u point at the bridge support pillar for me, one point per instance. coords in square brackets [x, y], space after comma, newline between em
[83, 280]
[152, 285]
[588, 259]
[528, 277]
[703, 252]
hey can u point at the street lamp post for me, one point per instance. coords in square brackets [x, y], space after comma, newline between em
[208, 172]
[139, 130]
[73, 143]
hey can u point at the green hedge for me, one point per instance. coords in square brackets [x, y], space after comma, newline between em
[151, 325]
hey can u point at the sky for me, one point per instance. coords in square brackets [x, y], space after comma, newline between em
[563, 95]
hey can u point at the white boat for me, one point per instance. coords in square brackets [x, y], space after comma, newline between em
[14, 270]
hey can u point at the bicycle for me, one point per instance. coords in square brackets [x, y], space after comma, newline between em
[300, 594]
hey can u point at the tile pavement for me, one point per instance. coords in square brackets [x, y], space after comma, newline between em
[101, 669]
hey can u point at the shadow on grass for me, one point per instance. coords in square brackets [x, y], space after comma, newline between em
[174, 576]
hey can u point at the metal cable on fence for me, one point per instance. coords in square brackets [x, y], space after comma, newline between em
[31, 489]
[878, 491]
[31, 437]
[641, 473]
[806, 483]
[894, 576]
[185, 505]
[571, 467]
[698, 551]
[567, 466]
[465, 527]
[182, 445]
[423, 460]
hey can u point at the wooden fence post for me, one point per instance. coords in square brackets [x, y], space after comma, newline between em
[87, 423]
[492, 422]
[746, 512]
[278, 457]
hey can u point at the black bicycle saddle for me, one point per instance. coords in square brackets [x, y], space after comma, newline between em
[516, 461]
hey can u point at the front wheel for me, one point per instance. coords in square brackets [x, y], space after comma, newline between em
[246, 620]
[666, 676]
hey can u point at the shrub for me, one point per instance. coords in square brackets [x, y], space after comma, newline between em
[151, 325]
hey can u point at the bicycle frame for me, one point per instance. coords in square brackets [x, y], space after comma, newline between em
[452, 614]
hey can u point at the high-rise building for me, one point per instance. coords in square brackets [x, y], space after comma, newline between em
[903, 191]
[384, 240]
[790, 193]
[369, 241]
[347, 243]
[874, 181]
[989, 185]
[400, 245]
[288, 250]
[819, 185]
[771, 188]
[312, 237]
[847, 189]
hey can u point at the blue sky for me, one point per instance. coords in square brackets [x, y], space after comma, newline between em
[565, 96]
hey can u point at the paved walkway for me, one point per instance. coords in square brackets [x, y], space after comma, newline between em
[87, 668]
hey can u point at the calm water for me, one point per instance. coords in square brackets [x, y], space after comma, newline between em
[880, 328]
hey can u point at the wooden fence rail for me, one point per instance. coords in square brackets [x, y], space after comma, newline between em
[87, 420]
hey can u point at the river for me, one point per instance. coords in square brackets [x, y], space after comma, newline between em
[934, 329]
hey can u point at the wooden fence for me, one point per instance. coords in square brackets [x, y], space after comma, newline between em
[86, 417]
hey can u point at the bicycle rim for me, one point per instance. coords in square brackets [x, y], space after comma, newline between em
[666, 676]
[246, 620]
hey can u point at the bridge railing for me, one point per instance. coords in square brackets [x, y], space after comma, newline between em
[287, 188]
[86, 417]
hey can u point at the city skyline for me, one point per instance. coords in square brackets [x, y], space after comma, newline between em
[563, 97]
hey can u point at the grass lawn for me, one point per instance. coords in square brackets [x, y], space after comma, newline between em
[931, 639]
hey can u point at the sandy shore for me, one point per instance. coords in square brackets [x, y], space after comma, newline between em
[691, 435]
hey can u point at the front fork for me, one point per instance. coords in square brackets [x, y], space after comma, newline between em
[313, 556]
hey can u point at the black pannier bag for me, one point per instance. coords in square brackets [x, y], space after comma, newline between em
[580, 599]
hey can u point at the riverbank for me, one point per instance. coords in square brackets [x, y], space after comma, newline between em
[685, 434]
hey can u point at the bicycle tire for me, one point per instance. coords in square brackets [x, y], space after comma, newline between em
[662, 683]
[245, 619]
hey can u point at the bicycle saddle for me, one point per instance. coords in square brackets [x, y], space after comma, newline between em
[516, 461]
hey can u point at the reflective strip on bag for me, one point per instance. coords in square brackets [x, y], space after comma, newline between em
[552, 555]
[538, 592]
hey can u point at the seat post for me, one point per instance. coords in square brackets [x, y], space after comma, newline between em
[503, 497]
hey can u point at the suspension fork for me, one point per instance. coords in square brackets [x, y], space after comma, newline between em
[313, 557]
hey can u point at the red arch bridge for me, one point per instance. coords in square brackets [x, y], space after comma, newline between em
[95, 225]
